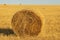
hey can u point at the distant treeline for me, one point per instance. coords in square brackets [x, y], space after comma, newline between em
[6, 31]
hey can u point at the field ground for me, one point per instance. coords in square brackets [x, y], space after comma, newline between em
[50, 16]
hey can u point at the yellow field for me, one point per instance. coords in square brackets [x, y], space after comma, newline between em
[50, 16]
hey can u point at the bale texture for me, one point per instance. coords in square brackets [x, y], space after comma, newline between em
[26, 22]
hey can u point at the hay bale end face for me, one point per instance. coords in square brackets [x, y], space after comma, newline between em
[26, 22]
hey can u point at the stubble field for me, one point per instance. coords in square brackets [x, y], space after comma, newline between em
[50, 16]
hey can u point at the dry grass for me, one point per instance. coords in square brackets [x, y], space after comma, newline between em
[26, 22]
[12, 37]
[51, 21]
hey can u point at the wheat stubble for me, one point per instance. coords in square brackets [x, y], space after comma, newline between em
[26, 22]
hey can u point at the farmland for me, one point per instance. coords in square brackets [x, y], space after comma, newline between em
[50, 16]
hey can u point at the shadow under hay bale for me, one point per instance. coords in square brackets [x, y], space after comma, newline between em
[26, 22]
[7, 32]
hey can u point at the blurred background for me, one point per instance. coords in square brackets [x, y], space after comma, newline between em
[38, 2]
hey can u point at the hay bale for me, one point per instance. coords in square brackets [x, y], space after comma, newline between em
[26, 22]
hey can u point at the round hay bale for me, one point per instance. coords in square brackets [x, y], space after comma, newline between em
[26, 22]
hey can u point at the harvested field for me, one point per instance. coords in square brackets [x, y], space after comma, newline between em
[50, 16]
